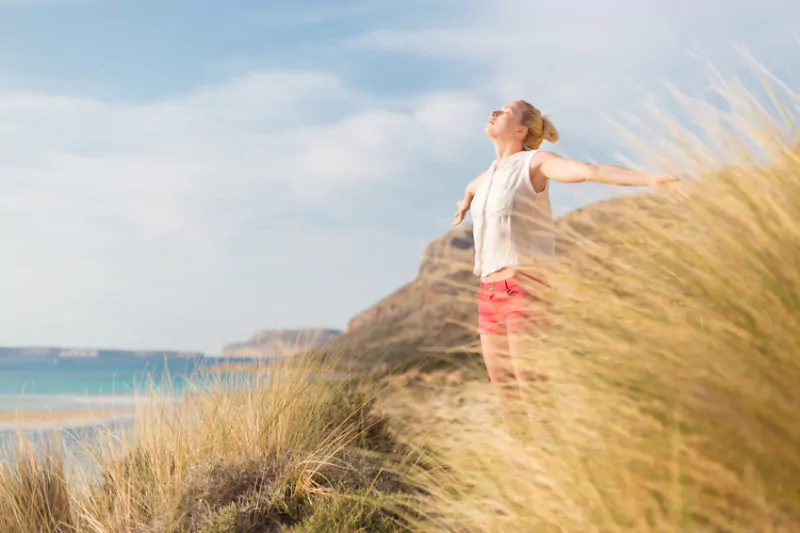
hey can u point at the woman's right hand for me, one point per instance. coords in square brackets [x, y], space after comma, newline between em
[462, 211]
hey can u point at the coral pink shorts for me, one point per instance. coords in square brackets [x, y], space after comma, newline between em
[510, 306]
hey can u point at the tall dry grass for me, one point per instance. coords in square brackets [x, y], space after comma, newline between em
[673, 400]
[287, 446]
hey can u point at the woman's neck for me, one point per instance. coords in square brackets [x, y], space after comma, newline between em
[505, 149]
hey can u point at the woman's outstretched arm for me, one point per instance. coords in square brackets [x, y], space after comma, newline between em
[464, 205]
[554, 167]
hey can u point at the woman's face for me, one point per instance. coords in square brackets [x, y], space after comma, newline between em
[505, 123]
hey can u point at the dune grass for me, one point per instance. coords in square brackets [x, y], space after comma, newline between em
[673, 398]
[671, 401]
[271, 450]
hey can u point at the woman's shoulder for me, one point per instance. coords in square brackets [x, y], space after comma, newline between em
[544, 154]
[540, 156]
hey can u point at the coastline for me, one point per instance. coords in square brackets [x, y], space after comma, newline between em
[48, 419]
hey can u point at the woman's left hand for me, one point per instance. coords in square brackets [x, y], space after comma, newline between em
[676, 188]
[659, 180]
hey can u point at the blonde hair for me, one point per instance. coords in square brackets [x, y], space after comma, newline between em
[540, 128]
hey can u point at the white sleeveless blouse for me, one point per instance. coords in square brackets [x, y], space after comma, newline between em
[512, 223]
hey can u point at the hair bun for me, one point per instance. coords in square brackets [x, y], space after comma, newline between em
[549, 131]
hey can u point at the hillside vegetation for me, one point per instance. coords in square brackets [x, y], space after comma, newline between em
[667, 398]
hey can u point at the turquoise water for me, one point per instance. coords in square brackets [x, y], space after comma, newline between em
[33, 383]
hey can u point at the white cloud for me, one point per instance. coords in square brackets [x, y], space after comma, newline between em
[294, 197]
[583, 59]
[150, 206]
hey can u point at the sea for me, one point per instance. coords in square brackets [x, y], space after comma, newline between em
[55, 383]
[107, 381]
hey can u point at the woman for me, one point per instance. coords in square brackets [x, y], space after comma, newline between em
[513, 228]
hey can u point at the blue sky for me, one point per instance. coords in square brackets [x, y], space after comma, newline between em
[178, 174]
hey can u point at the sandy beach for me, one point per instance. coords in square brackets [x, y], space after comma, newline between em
[51, 418]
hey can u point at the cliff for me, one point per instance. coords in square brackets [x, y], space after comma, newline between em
[432, 321]
[279, 343]
[427, 321]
